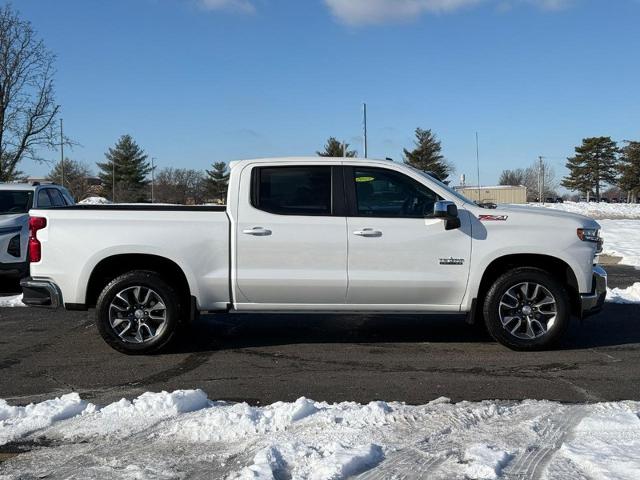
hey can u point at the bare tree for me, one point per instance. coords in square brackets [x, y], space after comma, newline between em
[76, 177]
[27, 105]
[180, 186]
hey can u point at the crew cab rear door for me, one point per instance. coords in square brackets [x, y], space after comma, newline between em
[399, 258]
[291, 242]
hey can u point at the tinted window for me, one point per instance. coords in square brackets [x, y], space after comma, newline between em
[56, 197]
[15, 202]
[386, 193]
[67, 196]
[292, 190]
[43, 199]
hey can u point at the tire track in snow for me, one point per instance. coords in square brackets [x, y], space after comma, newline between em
[533, 463]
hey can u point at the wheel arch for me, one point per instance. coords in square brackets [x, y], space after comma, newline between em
[110, 267]
[557, 267]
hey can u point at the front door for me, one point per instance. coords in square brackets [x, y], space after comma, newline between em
[291, 237]
[397, 254]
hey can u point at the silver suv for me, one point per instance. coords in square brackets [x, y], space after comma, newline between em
[16, 199]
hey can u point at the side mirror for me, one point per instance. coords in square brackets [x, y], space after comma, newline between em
[448, 211]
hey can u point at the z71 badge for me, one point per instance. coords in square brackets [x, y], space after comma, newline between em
[452, 261]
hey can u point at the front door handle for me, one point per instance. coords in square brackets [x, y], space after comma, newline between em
[257, 231]
[368, 232]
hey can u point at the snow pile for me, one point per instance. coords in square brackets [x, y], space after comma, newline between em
[94, 201]
[598, 210]
[624, 295]
[622, 239]
[12, 301]
[15, 422]
[184, 435]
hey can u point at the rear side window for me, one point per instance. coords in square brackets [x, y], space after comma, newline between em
[15, 201]
[56, 197]
[43, 199]
[298, 190]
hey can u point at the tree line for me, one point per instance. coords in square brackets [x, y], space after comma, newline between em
[599, 163]
[126, 174]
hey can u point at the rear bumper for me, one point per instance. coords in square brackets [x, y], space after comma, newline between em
[40, 293]
[592, 303]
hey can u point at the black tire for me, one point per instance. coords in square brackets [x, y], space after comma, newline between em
[512, 279]
[146, 280]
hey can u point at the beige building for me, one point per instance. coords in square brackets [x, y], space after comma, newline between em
[498, 194]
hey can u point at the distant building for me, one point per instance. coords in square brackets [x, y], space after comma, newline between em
[497, 194]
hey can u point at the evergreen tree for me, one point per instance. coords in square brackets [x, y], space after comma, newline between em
[630, 170]
[334, 148]
[129, 162]
[595, 163]
[427, 156]
[218, 181]
[76, 178]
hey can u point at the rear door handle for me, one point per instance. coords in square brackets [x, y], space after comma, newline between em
[257, 231]
[368, 232]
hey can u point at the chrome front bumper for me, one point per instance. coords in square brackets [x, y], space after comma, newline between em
[40, 293]
[592, 303]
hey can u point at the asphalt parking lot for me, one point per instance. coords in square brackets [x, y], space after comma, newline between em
[262, 359]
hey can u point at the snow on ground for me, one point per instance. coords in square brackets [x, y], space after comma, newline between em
[12, 301]
[624, 295]
[597, 210]
[183, 434]
[622, 239]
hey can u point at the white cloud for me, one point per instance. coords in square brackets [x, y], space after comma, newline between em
[241, 6]
[362, 12]
[369, 12]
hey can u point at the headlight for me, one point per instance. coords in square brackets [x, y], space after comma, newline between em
[589, 234]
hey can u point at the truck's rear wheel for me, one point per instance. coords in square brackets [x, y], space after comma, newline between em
[527, 309]
[137, 313]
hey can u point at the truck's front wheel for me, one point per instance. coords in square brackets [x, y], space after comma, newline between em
[137, 313]
[527, 309]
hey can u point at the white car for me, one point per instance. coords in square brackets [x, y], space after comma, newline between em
[16, 200]
[318, 235]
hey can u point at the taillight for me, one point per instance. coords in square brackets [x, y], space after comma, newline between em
[35, 248]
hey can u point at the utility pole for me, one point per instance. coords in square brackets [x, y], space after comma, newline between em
[540, 179]
[62, 151]
[364, 127]
[152, 176]
[113, 180]
[478, 163]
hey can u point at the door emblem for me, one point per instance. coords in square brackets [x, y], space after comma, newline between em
[452, 261]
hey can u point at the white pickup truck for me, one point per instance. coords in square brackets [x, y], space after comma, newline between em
[318, 235]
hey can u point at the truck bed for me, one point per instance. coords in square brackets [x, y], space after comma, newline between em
[78, 238]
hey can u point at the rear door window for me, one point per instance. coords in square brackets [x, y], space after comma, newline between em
[43, 199]
[56, 197]
[296, 190]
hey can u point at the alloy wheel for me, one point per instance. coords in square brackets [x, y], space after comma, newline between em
[528, 310]
[138, 314]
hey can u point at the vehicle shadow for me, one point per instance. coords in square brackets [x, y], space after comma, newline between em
[617, 325]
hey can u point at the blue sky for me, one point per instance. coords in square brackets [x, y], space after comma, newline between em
[198, 81]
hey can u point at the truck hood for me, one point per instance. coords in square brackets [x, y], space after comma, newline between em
[540, 213]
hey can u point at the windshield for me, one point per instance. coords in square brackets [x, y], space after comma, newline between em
[15, 201]
[453, 192]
